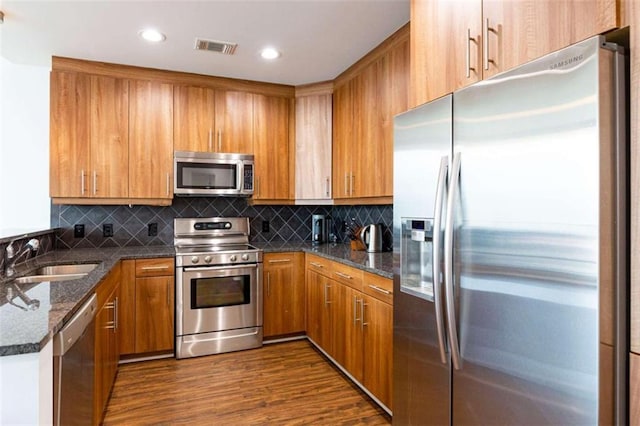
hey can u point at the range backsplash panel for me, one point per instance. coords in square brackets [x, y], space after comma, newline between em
[131, 224]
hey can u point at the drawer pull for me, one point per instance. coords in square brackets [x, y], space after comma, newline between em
[345, 276]
[155, 268]
[380, 289]
[317, 265]
[280, 261]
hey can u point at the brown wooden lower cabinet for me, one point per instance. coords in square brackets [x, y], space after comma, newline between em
[148, 306]
[154, 314]
[107, 351]
[284, 293]
[353, 323]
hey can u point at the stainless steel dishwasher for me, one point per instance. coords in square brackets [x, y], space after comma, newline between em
[73, 365]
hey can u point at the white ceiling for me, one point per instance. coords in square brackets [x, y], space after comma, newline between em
[318, 38]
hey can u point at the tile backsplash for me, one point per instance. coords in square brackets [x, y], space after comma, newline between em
[131, 224]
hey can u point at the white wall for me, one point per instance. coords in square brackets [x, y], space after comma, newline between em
[26, 388]
[24, 148]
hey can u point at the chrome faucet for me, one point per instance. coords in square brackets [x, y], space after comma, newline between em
[10, 255]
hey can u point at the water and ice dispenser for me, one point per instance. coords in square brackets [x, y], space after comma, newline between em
[416, 257]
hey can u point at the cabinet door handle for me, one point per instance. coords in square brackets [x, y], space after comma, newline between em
[380, 289]
[353, 179]
[345, 276]
[220, 140]
[115, 314]
[95, 182]
[280, 261]
[168, 293]
[210, 139]
[355, 310]
[111, 325]
[268, 284]
[362, 305]
[469, 40]
[328, 187]
[317, 265]
[168, 182]
[81, 182]
[326, 294]
[487, 29]
[346, 184]
[155, 268]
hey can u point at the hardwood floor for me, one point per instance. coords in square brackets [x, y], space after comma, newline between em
[283, 383]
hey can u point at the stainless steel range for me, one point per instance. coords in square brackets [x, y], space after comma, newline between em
[218, 287]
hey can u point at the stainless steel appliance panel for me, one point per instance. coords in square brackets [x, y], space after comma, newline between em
[210, 174]
[421, 388]
[225, 301]
[218, 342]
[528, 245]
[73, 367]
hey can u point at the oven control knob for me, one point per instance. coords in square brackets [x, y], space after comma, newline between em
[233, 258]
[245, 256]
[207, 259]
[195, 259]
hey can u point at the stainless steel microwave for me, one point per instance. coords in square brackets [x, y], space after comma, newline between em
[212, 174]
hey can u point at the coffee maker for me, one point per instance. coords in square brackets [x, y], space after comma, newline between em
[319, 229]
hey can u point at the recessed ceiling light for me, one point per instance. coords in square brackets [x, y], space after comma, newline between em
[152, 35]
[269, 53]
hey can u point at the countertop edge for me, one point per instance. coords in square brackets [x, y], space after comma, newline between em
[107, 258]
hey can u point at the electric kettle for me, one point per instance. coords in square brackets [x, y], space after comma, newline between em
[371, 237]
[319, 229]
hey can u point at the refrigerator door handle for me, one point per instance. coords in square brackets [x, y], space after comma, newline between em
[448, 263]
[437, 289]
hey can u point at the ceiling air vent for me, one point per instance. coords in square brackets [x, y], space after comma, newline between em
[216, 46]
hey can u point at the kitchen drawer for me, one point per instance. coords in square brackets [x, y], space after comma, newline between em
[379, 287]
[318, 264]
[155, 267]
[347, 275]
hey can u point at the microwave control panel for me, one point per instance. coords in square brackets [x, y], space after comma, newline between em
[248, 177]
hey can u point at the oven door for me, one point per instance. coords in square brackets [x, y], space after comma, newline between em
[218, 298]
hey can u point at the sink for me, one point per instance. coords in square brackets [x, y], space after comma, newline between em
[57, 273]
[83, 269]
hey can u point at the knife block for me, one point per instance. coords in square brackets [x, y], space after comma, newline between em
[356, 245]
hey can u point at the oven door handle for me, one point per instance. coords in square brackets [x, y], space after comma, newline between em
[219, 268]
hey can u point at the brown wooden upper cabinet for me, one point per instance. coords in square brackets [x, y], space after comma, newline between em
[212, 120]
[313, 142]
[271, 147]
[150, 140]
[365, 103]
[456, 43]
[110, 140]
[89, 136]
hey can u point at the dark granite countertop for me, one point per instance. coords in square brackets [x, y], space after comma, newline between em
[26, 331]
[376, 263]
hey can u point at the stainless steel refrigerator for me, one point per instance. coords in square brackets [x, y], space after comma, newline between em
[510, 248]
